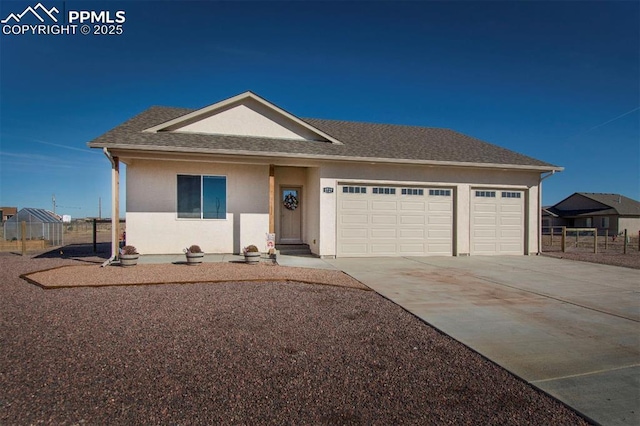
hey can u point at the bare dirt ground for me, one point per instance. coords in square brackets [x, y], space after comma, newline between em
[238, 353]
[609, 253]
[629, 260]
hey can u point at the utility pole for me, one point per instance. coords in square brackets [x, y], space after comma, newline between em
[53, 201]
[99, 207]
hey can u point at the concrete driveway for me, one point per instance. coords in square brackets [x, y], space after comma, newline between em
[569, 328]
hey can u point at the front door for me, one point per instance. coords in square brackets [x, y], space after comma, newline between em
[290, 215]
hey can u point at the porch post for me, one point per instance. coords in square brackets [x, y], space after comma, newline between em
[115, 207]
[272, 195]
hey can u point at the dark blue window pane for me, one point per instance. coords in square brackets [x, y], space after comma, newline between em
[188, 196]
[214, 197]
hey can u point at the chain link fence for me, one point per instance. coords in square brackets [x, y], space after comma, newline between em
[52, 232]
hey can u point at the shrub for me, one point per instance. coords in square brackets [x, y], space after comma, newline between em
[194, 249]
[128, 250]
[251, 249]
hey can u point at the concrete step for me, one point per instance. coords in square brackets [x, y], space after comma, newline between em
[294, 249]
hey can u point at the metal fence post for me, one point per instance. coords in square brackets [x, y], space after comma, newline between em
[606, 239]
[564, 239]
[625, 241]
[95, 237]
[23, 227]
[595, 240]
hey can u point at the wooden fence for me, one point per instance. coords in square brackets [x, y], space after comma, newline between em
[561, 238]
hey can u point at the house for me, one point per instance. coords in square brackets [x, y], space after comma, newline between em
[7, 213]
[226, 175]
[606, 212]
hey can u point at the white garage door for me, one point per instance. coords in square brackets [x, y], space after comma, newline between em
[497, 222]
[394, 221]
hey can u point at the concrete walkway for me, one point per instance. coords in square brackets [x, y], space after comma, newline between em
[570, 328]
[283, 260]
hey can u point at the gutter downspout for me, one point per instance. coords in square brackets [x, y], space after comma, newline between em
[115, 202]
[551, 173]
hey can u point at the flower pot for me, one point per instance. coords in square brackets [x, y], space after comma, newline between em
[252, 257]
[194, 258]
[129, 259]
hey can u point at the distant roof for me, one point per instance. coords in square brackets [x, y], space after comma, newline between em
[29, 214]
[616, 204]
[364, 141]
[622, 205]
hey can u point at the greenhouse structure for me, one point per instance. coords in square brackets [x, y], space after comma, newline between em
[40, 225]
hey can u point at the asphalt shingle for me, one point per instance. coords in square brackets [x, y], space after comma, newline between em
[360, 140]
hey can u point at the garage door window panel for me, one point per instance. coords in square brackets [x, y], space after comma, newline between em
[354, 189]
[384, 191]
[440, 192]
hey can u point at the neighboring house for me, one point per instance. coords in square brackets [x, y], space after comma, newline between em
[606, 212]
[226, 175]
[7, 213]
[549, 219]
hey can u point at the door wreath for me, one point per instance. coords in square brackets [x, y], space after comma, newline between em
[290, 202]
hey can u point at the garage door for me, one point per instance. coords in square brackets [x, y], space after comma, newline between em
[394, 221]
[497, 222]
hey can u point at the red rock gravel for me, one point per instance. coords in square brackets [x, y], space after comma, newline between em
[250, 353]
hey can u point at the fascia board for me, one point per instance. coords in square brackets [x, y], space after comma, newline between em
[246, 153]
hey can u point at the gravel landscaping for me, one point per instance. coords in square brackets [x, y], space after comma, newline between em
[629, 260]
[95, 275]
[239, 353]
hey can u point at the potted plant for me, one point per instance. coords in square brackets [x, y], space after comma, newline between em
[251, 255]
[194, 255]
[129, 256]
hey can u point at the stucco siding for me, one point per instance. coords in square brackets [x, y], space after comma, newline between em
[250, 119]
[152, 222]
[153, 225]
[253, 231]
[328, 209]
[161, 233]
[631, 224]
[312, 213]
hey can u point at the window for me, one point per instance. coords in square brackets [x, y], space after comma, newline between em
[387, 191]
[412, 191]
[511, 194]
[202, 197]
[440, 192]
[487, 194]
[354, 190]
[604, 222]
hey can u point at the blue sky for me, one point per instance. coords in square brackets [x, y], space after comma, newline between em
[558, 81]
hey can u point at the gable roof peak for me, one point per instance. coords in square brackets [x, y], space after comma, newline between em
[262, 108]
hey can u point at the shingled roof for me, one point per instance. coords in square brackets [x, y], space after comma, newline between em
[611, 204]
[360, 141]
